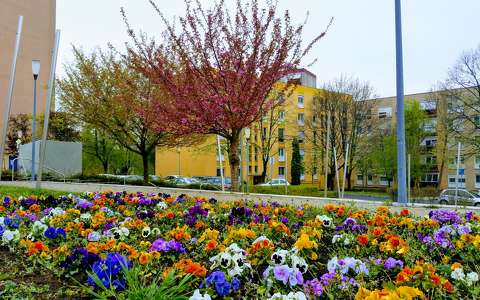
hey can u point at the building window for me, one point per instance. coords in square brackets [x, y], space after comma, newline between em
[301, 119]
[281, 172]
[256, 169]
[477, 181]
[302, 154]
[249, 169]
[428, 104]
[302, 176]
[281, 116]
[384, 112]
[359, 180]
[430, 125]
[452, 183]
[454, 106]
[452, 160]
[300, 101]
[476, 121]
[264, 132]
[430, 160]
[301, 137]
[477, 161]
[429, 142]
[314, 119]
[383, 180]
[219, 173]
[370, 179]
[281, 154]
[430, 178]
[281, 135]
[458, 125]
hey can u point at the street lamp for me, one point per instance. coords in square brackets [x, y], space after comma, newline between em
[247, 137]
[401, 157]
[35, 72]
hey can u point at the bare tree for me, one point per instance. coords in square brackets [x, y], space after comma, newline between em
[268, 129]
[461, 93]
[348, 101]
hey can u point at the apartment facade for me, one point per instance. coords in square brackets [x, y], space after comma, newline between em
[438, 148]
[291, 120]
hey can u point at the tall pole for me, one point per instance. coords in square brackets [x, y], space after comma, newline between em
[458, 173]
[336, 171]
[219, 150]
[8, 99]
[401, 159]
[409, 180]
[326, 156]
[34, 124]
[247, 159]
[345, 166]
[286, 171]
[50, 96]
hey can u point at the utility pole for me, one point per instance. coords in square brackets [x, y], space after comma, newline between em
[401, 158]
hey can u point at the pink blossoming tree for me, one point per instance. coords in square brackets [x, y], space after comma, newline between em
[218, 68]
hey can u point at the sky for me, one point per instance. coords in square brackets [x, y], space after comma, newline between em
[360, 43]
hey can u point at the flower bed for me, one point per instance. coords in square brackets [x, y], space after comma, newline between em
[116, 242]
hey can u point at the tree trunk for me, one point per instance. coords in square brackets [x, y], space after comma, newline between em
[349, 180]
[264, 171]
[234, 161]
[145, 167]
[105, 166]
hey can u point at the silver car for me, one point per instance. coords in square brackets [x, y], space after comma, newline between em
[464, 197]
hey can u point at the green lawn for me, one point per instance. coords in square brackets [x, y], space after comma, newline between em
[22, 191]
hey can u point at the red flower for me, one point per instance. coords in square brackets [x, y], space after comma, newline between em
[448, 286]
[362, 239]
[435, 279]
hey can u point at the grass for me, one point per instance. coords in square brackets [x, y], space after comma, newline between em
[310, 190]
[14, 191]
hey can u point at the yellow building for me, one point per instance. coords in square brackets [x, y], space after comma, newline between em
[291, 118]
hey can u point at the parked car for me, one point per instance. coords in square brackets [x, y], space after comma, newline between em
[464, 197]
[171, 177]
[274, 182]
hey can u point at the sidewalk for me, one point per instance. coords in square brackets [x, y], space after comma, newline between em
[417, 209]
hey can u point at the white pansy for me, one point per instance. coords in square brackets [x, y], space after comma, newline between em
[39, 227]
[86, 216]
[10, 236]
[146, 231]
[290, 296]
[472, 277]
[299, 263]
[458, 274]
[56, 211]
[279, 257]
[162, 205]
[198, 296]
[326, 220]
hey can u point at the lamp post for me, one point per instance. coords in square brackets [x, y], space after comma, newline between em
[35, 72]
[247, 138]
[401, 157]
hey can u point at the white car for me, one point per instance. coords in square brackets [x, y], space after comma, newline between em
[275, 182]
[464, 197]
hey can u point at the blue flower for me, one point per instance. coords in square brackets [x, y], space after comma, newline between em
[236, 283]
[223, 288]
[51, 233]
[61, 231]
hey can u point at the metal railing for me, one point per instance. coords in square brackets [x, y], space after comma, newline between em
[36, 165]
